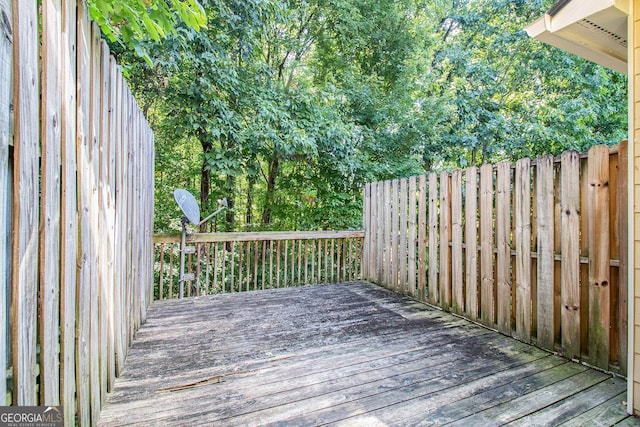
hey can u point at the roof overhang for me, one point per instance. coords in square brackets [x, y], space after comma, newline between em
[593, 29]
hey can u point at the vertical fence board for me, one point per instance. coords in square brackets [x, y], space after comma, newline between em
[126, 202]
[457, 261]
[388, 248]
[373, 264]
[422, 237]
[534, 245]
[366, 220]
[471, 242]
[487, 304]
[402, 251]
[411, 243]
[599, 278]
[68, 213]
[379, 224]
[395, 226]
[84, 200]
[570, 258]
[614, 294]
[49, 261]
[503, 241]
[373, 204]
[432, 291]
[584, 252]
[93, 230]
[557, 247]
[522, 237]
[621, 228]
[6, 65]
[545, 262]
[120, 230]
[24, 257]
[445, 238]
[105, 222]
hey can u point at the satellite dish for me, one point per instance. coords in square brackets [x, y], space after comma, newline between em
[188, 204]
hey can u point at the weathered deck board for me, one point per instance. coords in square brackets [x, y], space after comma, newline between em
[349, 354]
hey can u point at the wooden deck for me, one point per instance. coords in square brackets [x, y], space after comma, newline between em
[345, 354]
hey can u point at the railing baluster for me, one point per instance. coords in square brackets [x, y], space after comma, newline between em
[198, 268]
[240, 255]
[299, 261]
[313, 258]
[306, 262]
[207, 253]
[189, 270]
[270, 264]
[233, 263]
[285, 263]
[171, 247]
[224, 268]
[214, 285]
[278, 265]
[161, 279]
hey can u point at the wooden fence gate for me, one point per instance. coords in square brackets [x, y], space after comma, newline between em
[535, 249]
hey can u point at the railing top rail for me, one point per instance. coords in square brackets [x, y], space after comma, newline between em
[252, 236]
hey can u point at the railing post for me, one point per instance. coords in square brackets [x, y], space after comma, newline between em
[183, 243]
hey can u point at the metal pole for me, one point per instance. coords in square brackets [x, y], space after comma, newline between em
[183, 244]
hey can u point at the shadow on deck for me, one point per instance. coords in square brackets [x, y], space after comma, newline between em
[349, 354]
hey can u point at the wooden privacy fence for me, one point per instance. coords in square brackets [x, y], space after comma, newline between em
[535, 249]
[76, 193]
[233, 262]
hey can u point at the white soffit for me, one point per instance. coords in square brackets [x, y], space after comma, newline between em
[593, 29]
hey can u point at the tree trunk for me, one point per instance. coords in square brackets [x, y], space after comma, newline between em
[205, 181]
[230, 217]
[274, 167]
[249, 215]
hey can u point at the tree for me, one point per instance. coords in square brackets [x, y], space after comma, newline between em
[288, 107]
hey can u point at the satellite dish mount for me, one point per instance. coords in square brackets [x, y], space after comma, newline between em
[191, 210]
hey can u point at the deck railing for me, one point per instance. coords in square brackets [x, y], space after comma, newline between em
[233, 262]
[537, 250]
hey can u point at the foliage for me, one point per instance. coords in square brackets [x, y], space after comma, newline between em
[133, 21]
[288, 107]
